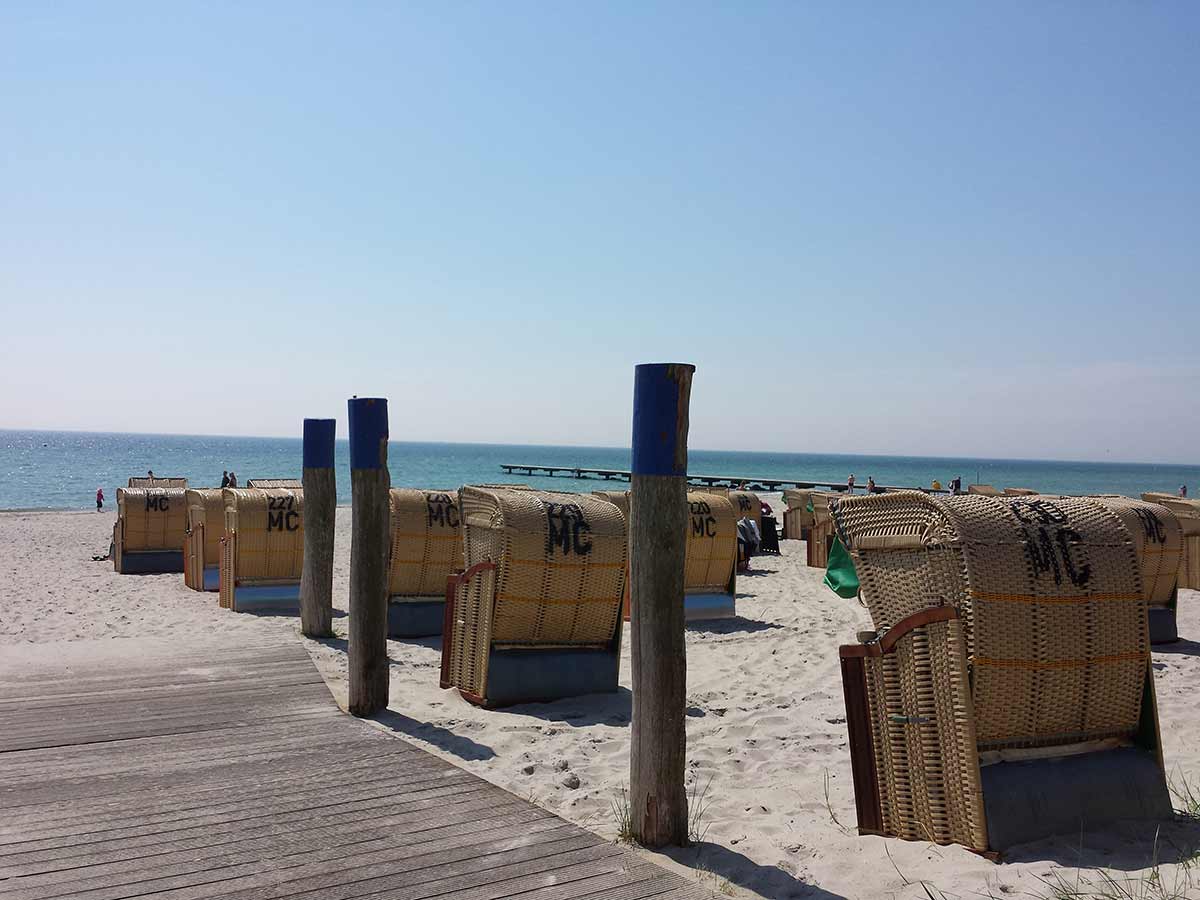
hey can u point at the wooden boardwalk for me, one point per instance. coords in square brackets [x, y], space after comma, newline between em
[193, 773]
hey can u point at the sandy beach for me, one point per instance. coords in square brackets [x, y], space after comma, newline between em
[767, 745]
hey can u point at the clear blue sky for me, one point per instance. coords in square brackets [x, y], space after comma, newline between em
[935, 228]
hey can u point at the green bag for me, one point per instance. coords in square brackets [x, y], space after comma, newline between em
[840, 576]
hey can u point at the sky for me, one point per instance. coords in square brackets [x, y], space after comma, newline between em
[901, 228]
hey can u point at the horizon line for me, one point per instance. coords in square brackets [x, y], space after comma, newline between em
[881, 456]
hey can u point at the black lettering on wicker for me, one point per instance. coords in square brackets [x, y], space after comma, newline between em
[1041, 553]
[710, 527]
[744, 504]
[567, 530]
[1152, 525]
[700, 508]
[440, 512]
[1067, 538]
[281, 503]
[275, 521]
[1038, 512]
[158, 502]
[698, 526]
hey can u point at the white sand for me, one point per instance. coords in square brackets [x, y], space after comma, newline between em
[766, 725]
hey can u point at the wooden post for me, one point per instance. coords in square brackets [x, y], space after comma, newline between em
[658, 521]
[370, 486]
[320, 510]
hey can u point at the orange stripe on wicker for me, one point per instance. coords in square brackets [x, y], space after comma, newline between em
[1031, 598]
[1057, 663]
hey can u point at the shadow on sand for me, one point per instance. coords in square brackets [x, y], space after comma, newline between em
[1123, 846]
[442, 738]
[740, 870]
[1183, 646]
[734, 625]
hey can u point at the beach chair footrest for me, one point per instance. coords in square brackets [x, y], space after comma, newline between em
[151, 562]
[415, 617]
[1033, 799]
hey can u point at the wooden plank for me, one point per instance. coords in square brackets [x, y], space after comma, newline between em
[218, 773]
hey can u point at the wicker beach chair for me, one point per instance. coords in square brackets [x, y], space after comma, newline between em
[145, 481]
[262, 551]
[265, 483]
[536, 615]
[148, 535]
[202, 545]
[984, 490]
[1007, 693]
[710, 577]
[821, 532]
[426, 549]
[1158, 539]
[1187, 511]
[1019, 492]
[797, 516]
[711, 556]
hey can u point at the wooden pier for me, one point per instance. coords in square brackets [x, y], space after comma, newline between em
[192, 771]
[732, 481]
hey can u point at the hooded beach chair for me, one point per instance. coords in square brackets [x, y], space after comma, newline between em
[710, 564]
[797, 517]
[1187, 511]
[426, 549]
[1158, 539]
[262, 550]
[202, 545]
[820, 533]
[148, 535]
[536, 614]
[1006, 693]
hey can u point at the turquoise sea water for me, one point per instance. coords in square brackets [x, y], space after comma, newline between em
[61, 470]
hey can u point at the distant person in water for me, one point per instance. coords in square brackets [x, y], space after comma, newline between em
[99, 499]
[225, 479]
[1183, 490]
[870, 484]
[850, 484]
[232, 479]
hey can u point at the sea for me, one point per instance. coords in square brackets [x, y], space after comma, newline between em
[62, 469]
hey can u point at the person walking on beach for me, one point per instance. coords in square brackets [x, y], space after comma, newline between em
[870, 484]
[225, 479]
[150, 474]
[99, 499]
[232, 479]
[850, 484]
[1183, 490]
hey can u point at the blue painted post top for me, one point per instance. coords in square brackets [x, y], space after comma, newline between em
[368, 432]
[318, 443]
[661, 392]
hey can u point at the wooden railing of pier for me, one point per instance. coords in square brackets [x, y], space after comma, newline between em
[733, 481]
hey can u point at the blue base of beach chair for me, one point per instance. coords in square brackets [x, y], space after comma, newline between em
[538, 676]
[1163, 627]
[703, 607]
[1033, 799]
[151, 562]
[262, 597]
[415, 618]
[212, 578]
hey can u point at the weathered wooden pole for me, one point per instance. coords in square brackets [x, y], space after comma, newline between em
[320, 511]
[370, 485]
[658, 522]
